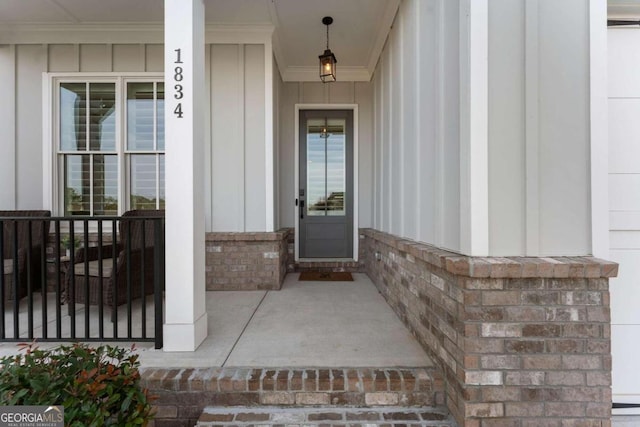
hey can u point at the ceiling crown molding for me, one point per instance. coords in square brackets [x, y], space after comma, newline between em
[125, 33]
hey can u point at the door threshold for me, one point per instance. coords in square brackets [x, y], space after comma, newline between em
[326, 260]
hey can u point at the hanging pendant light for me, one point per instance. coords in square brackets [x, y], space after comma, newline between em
[327, 59]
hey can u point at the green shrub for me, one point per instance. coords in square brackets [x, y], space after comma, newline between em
[97, 386]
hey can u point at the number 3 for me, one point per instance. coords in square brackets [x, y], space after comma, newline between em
[178, 94]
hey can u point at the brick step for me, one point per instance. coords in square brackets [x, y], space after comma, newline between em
[182, 394]
[330, 416]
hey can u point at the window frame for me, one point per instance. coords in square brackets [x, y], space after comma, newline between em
[53, 163]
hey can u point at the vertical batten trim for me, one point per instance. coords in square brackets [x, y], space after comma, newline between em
[439, 223]
[76, 56]
[142, 57]
[532, 128]
[474, 182]
[401, 142]
[418, 127]
[270, 157]
[109, 54]
[599, 129]
[208, 186]
[242, 138]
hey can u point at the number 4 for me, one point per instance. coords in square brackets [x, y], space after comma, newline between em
[178, 110]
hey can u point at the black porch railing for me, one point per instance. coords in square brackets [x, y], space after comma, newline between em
[82, 278]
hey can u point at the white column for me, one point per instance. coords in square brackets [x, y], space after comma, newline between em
[474, 127]
[8, 127]
[186, 318]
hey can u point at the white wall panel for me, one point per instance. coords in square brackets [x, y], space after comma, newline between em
[340, 92]
[95, 57]
[64, 57]
[154, 57]
[428, 119]
[286, 156]
[30, 64]
[417, 147]
[396, 143]
[409, 122]
[565, 226]
[255, 202]
[363, 93]
[506, 127]
[128, 57]
[313, 93]
[8, 128]
[227, 134]
[624, 135]
[450, 161]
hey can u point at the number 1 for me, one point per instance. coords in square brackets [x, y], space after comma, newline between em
[178, 60]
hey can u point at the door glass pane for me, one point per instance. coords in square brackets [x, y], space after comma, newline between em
[102, 116]
[316, 161]
[73, 116]
[105, 185]
[140, 116]
[336, 167]
[143, 181]
[160, 116]
[77, 182]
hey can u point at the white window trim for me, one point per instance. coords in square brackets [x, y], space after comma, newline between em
[50, 130]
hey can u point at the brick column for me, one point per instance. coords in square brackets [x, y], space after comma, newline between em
[521, 341]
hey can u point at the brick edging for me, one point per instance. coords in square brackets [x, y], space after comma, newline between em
[182, 393]
[500, 267]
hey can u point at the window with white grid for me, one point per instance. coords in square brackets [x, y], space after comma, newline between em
[109, 145]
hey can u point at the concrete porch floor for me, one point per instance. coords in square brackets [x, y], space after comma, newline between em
[305, 324]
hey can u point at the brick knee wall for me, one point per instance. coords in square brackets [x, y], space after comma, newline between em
[246, 261]
[521, 341]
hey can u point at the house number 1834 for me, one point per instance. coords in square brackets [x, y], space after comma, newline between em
[177, 78]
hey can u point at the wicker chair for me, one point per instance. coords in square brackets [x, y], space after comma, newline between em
[27, 256]
[116, 271]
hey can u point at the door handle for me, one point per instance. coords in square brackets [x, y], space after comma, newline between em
[301, 209]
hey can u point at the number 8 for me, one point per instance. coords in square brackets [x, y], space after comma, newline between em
[178, 74]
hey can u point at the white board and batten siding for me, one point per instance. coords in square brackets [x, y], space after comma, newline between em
[234, 138]
[416, 152]
[624, 209]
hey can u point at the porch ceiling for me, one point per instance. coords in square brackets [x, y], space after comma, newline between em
[623, 8]
[357, 35]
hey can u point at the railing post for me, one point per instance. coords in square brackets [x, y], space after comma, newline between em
[16, 277]
[158, 244]
[2, 281]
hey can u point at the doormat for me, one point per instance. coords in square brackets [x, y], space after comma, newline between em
[322, 276]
